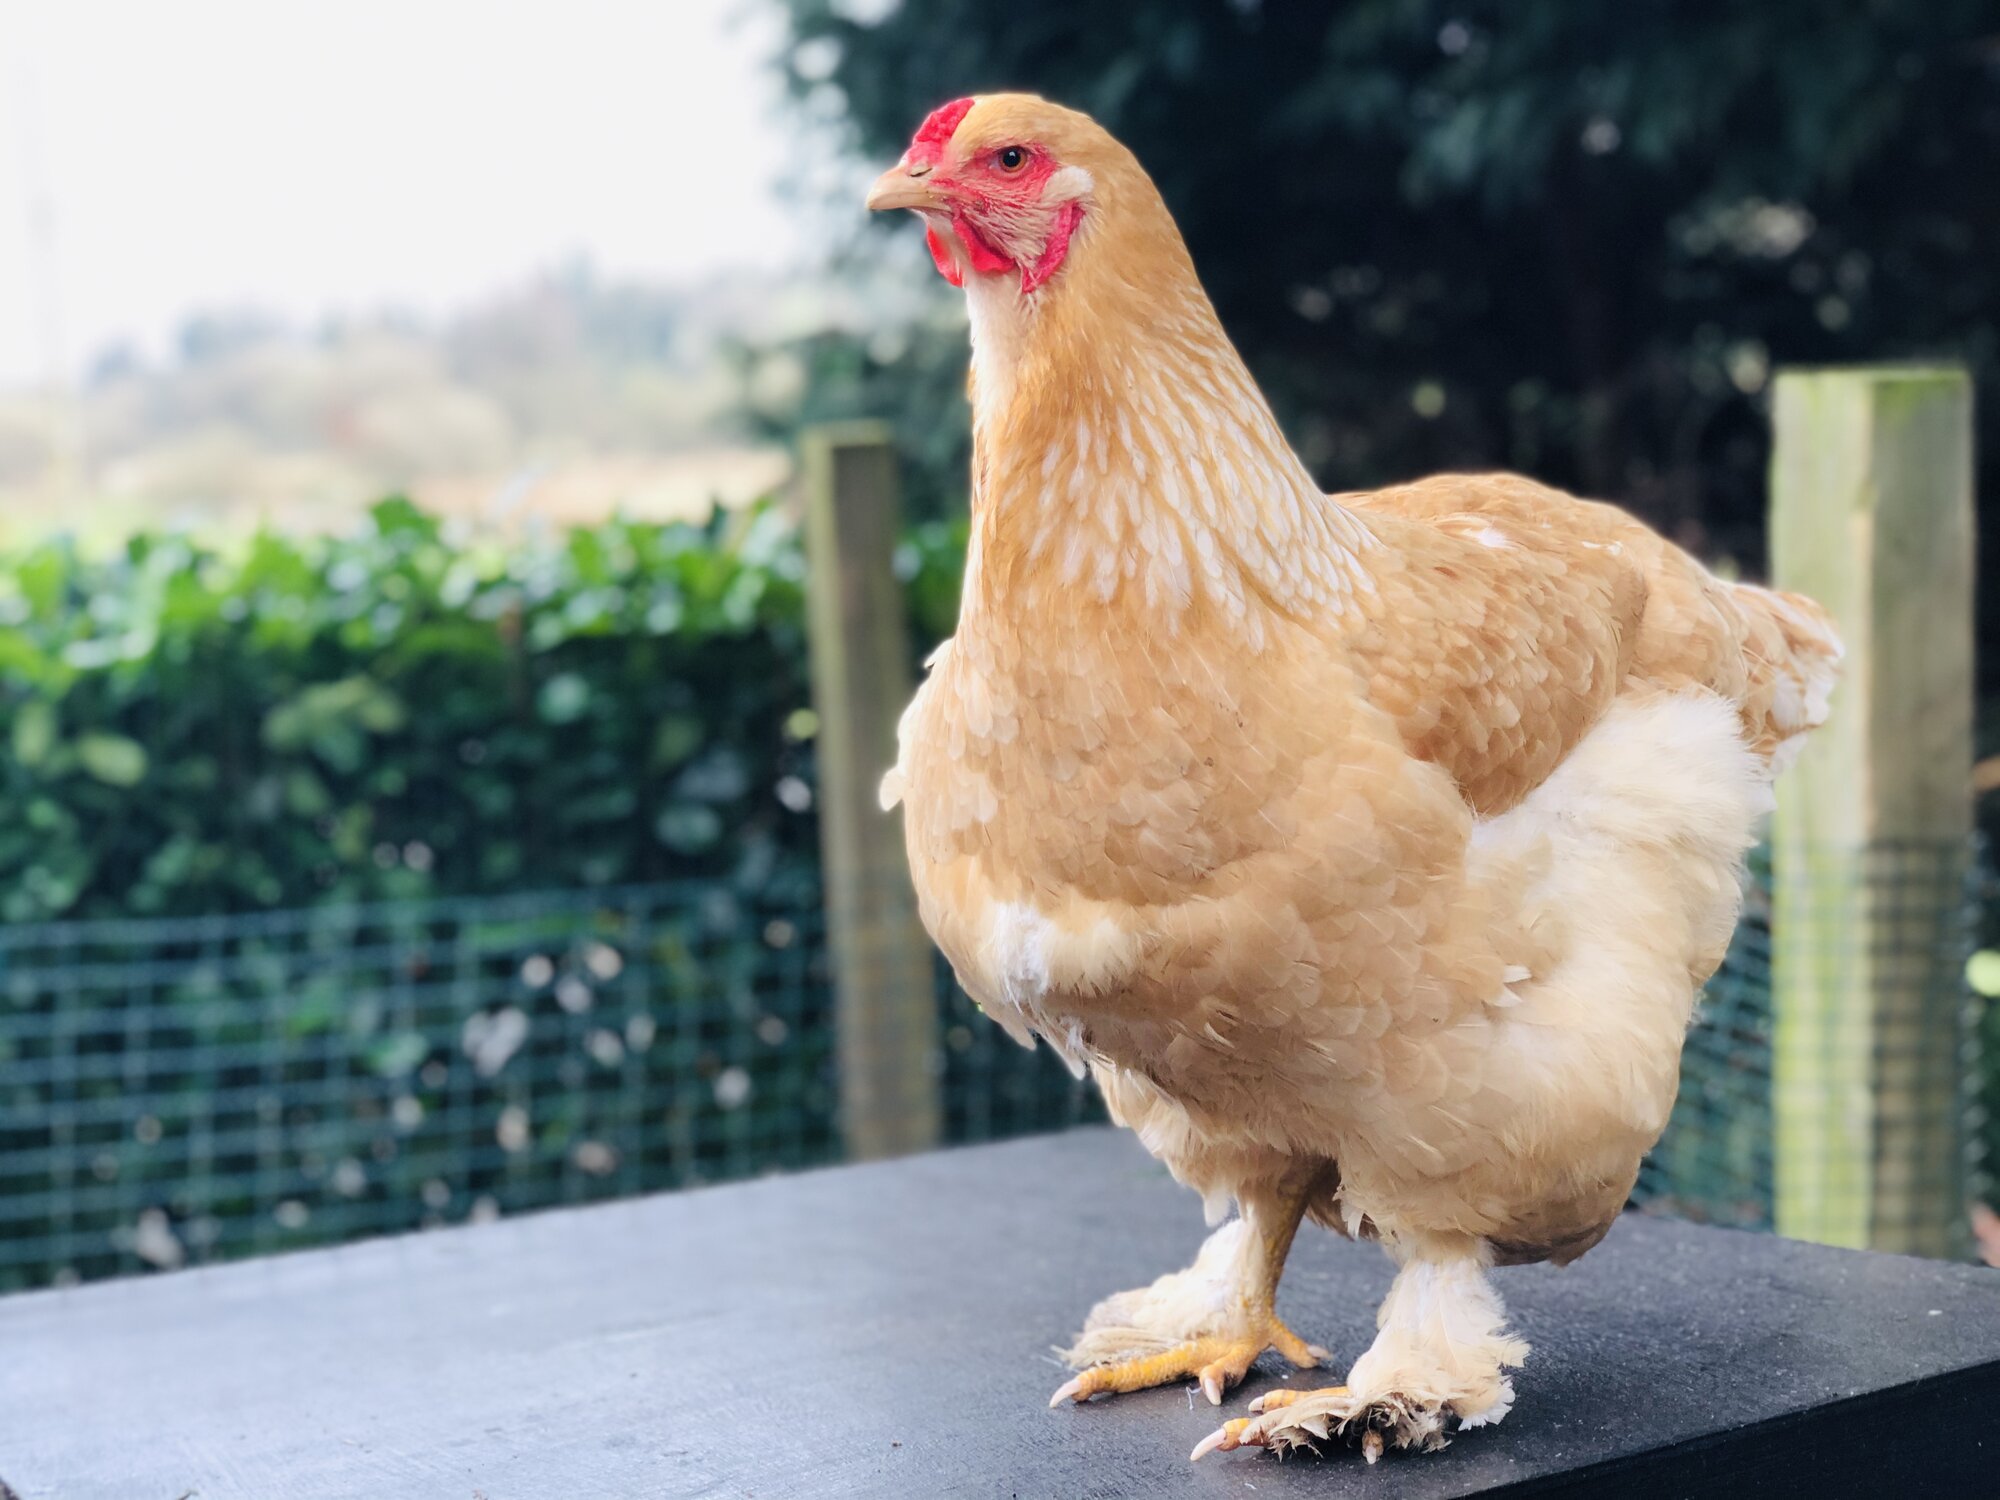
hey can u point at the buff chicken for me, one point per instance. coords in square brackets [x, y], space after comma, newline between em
[1369, 849]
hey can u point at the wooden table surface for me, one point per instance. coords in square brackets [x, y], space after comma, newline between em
[885, 1331]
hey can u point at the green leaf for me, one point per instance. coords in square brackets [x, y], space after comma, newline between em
[112, 758]
[34, 732]
[1982, 972]
[688, 828]
[333, 720]
[306, 795]
[316, 1011]
[399, 517]
[564, 698]
[677, 737]
[399, 1055]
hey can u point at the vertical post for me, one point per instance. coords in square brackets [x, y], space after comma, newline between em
[884, 972]
[1871, 489]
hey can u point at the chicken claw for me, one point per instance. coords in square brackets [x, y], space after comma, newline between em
[1228, 1435]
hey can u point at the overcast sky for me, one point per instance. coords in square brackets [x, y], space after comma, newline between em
[309, 158]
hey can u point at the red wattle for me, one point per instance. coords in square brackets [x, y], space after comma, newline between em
[985, 259]
[947, 266]
[1067, 218]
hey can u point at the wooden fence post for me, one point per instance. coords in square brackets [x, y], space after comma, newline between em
[884, 970]
[1871, 514]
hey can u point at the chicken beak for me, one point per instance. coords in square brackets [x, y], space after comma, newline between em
[902, 186]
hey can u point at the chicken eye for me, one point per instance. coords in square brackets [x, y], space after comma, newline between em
[1011, 158]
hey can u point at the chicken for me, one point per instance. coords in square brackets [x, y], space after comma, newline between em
[1368, 850]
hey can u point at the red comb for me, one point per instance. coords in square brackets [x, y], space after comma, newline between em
[937, 128]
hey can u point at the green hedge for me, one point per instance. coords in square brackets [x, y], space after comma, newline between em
[186, 728]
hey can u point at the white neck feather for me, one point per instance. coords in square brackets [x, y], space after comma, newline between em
[1000, 322]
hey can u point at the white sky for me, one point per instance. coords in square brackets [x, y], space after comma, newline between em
[309, 158]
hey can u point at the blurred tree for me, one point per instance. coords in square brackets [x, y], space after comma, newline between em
[911, 375]
[1569, 239]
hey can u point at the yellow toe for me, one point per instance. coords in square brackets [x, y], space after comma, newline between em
[1217, 1363]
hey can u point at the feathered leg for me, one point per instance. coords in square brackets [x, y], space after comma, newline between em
[1209, 1322]
[1438, 1362]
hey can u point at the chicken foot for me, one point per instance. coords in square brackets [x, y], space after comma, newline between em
[1287, 1419]
[1209, 1322]
[1439, 1363]
[1217, 1362]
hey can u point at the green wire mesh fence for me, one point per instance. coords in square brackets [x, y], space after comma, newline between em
[179, 1091]
[1890, 927]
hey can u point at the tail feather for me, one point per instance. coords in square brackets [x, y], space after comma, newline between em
[1793, 652]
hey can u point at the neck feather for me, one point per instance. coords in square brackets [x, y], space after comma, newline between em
[1123, 454]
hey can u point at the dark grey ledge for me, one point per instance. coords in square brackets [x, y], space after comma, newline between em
[885, 1331]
